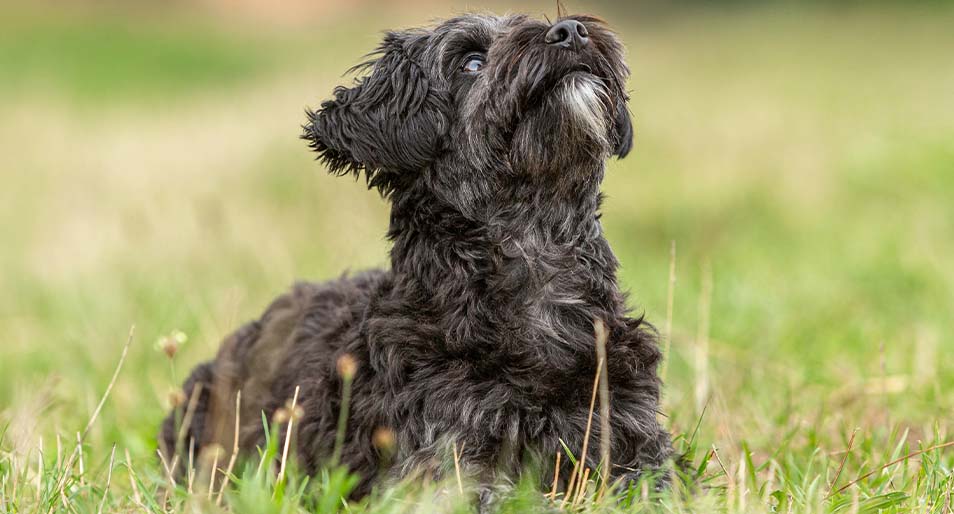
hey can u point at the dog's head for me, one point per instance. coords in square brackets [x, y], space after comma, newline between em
[477, 101]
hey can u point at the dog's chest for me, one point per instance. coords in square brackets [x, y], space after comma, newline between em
[514, 409]
[549, 287]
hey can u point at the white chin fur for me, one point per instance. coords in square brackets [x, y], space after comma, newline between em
[585, 98]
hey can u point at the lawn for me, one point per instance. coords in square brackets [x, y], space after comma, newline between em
[798, 159]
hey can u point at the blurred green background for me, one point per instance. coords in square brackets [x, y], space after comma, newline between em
[800, 155]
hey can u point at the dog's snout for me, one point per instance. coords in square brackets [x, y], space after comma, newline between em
[568, 34]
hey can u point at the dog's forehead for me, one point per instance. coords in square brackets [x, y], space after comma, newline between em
[483, 27]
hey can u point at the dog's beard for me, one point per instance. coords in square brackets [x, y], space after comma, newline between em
[568, 131]
[586, 99]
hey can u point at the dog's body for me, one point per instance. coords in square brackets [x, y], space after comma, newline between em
[489, 135]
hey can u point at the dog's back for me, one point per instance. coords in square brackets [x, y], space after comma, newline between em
[303, 328]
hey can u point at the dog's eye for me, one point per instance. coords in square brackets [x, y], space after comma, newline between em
[473, 63]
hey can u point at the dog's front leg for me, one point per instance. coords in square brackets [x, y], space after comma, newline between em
[458, 471]
[647, 462]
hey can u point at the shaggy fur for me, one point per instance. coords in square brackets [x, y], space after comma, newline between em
[481, 332]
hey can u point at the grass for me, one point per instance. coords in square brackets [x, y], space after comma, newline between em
[799, 157]
[106, 59]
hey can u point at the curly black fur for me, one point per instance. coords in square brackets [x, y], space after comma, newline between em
[481, 332]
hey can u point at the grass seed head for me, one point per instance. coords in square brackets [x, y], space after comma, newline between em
[169, 344]
[176, 398]
[288, 413]
[384, 440]
[347, 366]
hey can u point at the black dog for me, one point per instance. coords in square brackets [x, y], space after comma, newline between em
[489, 135]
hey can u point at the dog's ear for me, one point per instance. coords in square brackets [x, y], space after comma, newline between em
[390, 123]
[624, 132]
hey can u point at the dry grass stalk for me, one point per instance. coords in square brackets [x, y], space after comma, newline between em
[187, 418]
[235, 449]
[581, 490]
[191, 471]
[601, 335]
[288, 434]
[3, 493]
[715, 452]
[79, 452]
[170, 470]
[580, 468]
[892, 463]
[112, 381]
[571, 484]
[556, 477]
[670, 301]
[109, 478]
[743, 489]
[212, 472]
[15, 473]
[3, 490]
[460, 483]
[841, 466]
[137, 497]
[589, 418]
[64, 501]
[702, 339]
[62, 485]
[39, 471]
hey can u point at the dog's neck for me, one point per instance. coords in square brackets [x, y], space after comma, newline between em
[534, 264]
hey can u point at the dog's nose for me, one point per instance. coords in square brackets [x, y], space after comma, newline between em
[568, 34]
